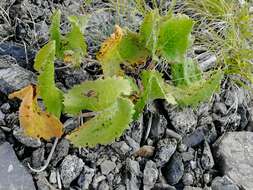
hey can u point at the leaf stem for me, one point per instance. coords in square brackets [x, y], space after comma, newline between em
[48, 159]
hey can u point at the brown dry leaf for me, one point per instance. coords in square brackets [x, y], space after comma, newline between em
[145, 151]
[33, 120]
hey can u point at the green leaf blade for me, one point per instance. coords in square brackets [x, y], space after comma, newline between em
[44, 64]
[154, 88]
[122, 47]
[199, 91]
[75, 42]
[185, 73]
[106, 126]
[174, 37]
[95, 95]
[149, 30]
[55, 32]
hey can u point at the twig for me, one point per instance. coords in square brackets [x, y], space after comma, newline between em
[48, 159]
[149, 127]
[58, 179]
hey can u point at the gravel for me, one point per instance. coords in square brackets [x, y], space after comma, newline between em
[107, 166]
[180, 151]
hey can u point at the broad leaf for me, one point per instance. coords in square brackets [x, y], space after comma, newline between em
[154, 88]
[104, 128]
[74, 47]
[149, 30]
[36, 123]
[197, 92]
[95, 95]
[44, 64]
[174, 37]
[185, 73]
[55, 32]
[120, 48]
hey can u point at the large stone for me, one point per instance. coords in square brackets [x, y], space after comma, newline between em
[174, 169]
[13, 175]
[165, 149]
[183, 121]
[71, 168]
[235, 155]
[223, 183]
[150, 175]
[13, 77]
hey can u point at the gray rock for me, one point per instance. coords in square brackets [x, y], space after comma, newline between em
[121, 187]
[206, 61]
[188, 179]
[158, 126]
[137, 131]
[175, 169]
[60, 152]
[53, 177]
[13, 175]
[71, 167]
[199, 135]
[121, 147]
[150, 175]
[224, 183]
[132, 143]
[5, 4]
[2, 136]
[27, 141]
[107, 166]
[220, 107]
[88, 176]
[43, 184]
[207, 161]
[103, 186]
[5, 108]
[97, 179]
[235, 152]
[192, 188]
[133, 174]
[38, 157]
[13, 77]
[165, 149]
[163, 186]
[184, 121]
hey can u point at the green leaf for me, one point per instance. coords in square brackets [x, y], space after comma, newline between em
[154, 88]
[44, 64]
[174, 37]
[104, 128]
[197, 92]
[95, 95]
[185, 73]
[121, 48]
[55, 32]
[75, 42]
[149, 30]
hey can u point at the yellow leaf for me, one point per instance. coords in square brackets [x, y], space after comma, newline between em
[33, 120]
[111, 42]
[122, 47]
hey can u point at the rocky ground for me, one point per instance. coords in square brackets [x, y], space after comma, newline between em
[207, 148]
